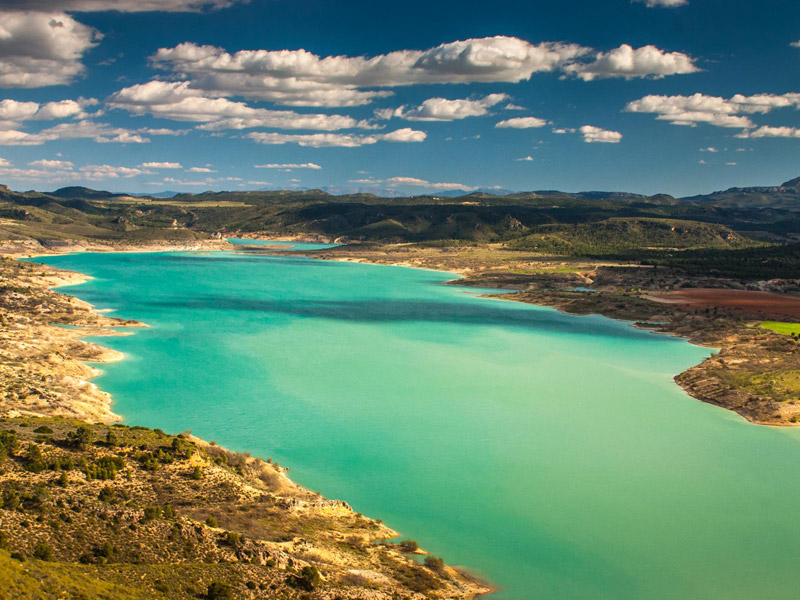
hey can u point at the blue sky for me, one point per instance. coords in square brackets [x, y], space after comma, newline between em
[674, 96]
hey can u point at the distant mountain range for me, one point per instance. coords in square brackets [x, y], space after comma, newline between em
[784, 196]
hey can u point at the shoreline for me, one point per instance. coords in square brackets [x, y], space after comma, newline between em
[674, 319]
[460, 582]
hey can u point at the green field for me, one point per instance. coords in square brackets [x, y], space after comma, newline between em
[781, 327]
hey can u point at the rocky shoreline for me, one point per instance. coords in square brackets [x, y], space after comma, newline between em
[213, 519]
[755, 372]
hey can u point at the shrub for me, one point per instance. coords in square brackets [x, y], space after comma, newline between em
[80, 438]
[63, 479]
[107, 494]
[43, 429]
[112, 439]
[42, 551]
[197, 473]
[151, 513]
[9, 444]
[11, 499]
[307, 580]
[409, 546]
[434, 563]
[219, 591]
[211, 521]
[169, 512]
[34, 459]
[233, 539]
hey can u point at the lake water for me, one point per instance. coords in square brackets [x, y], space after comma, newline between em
[551, 453]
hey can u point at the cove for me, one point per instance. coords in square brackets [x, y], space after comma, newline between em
[552, 454]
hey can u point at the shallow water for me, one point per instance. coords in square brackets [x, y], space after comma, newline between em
[551, 453]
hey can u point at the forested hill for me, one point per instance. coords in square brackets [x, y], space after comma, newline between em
[590, 223]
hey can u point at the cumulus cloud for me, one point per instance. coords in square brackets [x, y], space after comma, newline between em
[522, 123]
[627, 62]
[45, 170]
[593, 134]
[200, 170]
[289, 166]
[59, 165]
[441, 109]
[414, 182]
[179, 102]
[722, 112]
[97, 172]
[771, 132]
[85, 129]
[337, 140]
[665, 3]
[14, 113]
[709, 149]
[121, 5]
[41, 48]
[795, 44]
[301, 78]
[161, 165]
[524, 159]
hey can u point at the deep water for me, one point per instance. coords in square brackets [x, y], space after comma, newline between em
[553, 454]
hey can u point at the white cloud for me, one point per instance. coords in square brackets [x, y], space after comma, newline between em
[709, 149]
[771, 132]
[404, 135]
[99, 132]
[98, 172]
[524, 159]
[795, 44]
[200, 170]
[593, 134]
[41, 48]
[4, 163]
[441, 109]
[161, 165]
[338, 140]
[514, 107]
[121, 5]
[627, 62]
[13, 113]
[665, 3]
[59, 165]
[177, 101]
[730, 164]
[564, 130]
[414, 182]
[289, 166]
[522, 123]
[298, 77]
[721, 112]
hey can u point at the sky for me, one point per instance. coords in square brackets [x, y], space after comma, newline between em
[414, 97]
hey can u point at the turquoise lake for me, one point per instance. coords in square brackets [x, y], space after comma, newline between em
[552, 454]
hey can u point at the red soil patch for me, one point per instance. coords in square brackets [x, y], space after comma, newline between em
[755, 303]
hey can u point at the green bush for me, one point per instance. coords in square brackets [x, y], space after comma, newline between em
[34, 459]
[211, 521]
[43, 429]
[80, 438]
[219, 591]
[307, 580]
[42, 551]
[151, 513]
[434, 563]
[409, 546]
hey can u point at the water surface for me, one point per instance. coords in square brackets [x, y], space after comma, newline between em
[552, 453]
